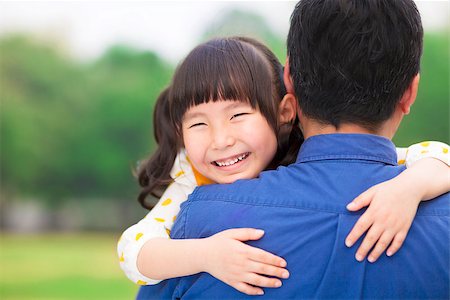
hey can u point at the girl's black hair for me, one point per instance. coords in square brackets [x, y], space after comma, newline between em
[153, 175]
[289, 136]
[235, 69]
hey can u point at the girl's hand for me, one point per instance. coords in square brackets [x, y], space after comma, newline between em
[241, 266]
[392, 207]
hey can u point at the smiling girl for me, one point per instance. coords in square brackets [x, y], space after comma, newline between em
[226, 116]
[217, 136]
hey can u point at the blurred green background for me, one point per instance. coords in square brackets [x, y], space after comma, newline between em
[72, 130]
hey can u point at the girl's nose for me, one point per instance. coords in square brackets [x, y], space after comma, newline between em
[222, 139]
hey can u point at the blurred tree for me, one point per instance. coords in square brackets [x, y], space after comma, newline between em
[74, 130]
[38, 101]
[236, 22]
[127, 83]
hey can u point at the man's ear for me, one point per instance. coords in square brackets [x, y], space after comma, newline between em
[287, 78]
[287, 110]
[409, 96]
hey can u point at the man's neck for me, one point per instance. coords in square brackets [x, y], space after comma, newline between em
[311, 128]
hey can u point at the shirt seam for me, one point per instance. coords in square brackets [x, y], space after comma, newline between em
[347, 157]
[222, 199]
[186, 214]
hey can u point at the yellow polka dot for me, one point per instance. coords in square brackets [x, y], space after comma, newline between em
[166, 202]
[168, 231]
[424, 151]
[121, 259]
[401, 162]
[179, 174]
[174, 218]
[140, 282]
[445, 150]
[160, 220]
[425, 144]
[139, 235]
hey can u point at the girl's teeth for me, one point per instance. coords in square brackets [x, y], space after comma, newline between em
[231, 162]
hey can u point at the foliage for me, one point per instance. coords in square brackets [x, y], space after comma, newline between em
[241, 23]
[69, 129]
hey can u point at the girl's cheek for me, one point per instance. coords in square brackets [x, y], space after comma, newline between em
[195, 146]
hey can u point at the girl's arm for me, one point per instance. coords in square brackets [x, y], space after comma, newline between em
[393, 204]
[223, 255]
[156, 224]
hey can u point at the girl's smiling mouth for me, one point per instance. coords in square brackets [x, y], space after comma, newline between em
[231, 160]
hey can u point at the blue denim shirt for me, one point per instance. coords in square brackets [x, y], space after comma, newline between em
[302, 209]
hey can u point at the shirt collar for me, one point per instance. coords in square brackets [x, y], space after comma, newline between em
[348, 146]
[181, 171]
[184, 172]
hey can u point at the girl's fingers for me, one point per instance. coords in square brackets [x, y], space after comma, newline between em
[242, 234]
[371, 238]
[396, 243]
[269, 270]
[361, 201]
[381, 245]
[248, 289]
[361, 226]
[262, 281]
[265, 257]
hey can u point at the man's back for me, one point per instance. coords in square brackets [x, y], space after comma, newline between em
[302, 210]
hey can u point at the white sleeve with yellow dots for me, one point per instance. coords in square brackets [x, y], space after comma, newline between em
[413, 153]
[157, 223]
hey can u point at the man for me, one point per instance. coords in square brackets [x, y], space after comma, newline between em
[353, 66]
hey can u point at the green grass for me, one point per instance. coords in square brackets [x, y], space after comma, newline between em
[62, 266]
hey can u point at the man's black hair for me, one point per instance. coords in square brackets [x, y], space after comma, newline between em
[352, 60]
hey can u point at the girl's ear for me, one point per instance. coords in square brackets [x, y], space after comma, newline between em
[287, 110]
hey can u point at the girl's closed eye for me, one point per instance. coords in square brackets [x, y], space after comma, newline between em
[197, 125]
[239, 115]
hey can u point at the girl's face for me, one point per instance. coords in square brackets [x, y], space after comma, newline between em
[228, 140]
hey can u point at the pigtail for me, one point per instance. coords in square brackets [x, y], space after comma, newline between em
[290, 139]
[154, 174]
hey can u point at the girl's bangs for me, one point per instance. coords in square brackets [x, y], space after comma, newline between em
[222, 69]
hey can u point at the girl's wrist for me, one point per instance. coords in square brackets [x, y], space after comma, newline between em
[413, 185]
[202, 257]
[416, 179]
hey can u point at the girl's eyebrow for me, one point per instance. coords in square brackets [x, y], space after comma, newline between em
[191, 115]
[235, 104]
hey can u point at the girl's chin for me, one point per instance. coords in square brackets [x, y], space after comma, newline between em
[227, 179]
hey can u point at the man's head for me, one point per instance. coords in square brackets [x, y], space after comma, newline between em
[351, 61]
